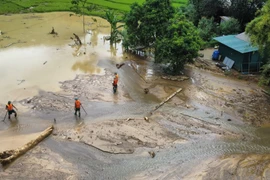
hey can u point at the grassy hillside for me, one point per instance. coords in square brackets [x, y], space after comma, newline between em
[24, 6]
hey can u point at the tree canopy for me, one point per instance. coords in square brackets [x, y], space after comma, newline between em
[174, 39]
[242, 10]
[259, 28]
[259, 32]
[180, 45]
[147, 22]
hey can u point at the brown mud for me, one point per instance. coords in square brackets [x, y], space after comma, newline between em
[213, 118]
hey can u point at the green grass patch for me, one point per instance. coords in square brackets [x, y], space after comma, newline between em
[24, 6]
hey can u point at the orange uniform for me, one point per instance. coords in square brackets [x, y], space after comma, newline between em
[115, 81]
[77, 104]
[9, 107]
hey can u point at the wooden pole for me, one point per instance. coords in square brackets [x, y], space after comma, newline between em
[166, 100]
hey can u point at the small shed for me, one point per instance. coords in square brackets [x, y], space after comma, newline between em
[239, 49]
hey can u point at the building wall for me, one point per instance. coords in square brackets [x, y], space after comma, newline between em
[251, 62]
[233, 55]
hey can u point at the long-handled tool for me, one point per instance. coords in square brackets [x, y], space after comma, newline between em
[5, 116]
[84, 110]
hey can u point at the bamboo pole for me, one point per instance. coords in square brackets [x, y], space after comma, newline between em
[166, 100]
[7, 157]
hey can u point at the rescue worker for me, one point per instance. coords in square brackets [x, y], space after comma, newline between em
[115, 81]
[9, 108]
[77, 107]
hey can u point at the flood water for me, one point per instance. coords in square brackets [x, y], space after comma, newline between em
[35, 62]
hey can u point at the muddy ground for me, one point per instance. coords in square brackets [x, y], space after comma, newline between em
[218, 122]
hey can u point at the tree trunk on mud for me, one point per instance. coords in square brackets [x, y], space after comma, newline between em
[166, 100]
[7, 157]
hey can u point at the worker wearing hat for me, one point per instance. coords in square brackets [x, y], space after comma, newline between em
[9, 108]
[77, 107]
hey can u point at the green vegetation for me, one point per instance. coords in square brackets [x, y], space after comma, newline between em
[259, 32]
[119, 6]
[179, 46]
[155, 25]
[113, 20]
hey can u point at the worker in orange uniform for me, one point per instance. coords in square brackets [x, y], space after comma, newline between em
[115, 81]
[77, 107]
[9, 108]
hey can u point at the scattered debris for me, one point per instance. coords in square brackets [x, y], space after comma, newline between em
[175, 78]
[120, 65]
[146, 90]
[21, 81]
[29, 101]
[152, 154]
[78, 39]
[201, 55]
[19, 41]
[118, 143]
[128, 119]
[53, 31]
[146, 119]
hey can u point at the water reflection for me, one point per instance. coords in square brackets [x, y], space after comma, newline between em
[86, 67]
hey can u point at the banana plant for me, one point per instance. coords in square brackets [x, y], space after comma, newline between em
[111, 17]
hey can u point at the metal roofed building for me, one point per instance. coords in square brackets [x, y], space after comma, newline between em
[239, 49]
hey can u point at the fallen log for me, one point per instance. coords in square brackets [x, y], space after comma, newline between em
[7, 157]
[166, 100]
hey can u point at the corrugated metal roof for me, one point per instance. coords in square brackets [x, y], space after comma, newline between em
[237, 44]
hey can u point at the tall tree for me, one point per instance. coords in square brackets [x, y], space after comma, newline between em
[244, 10]
[111, 17]
[259, 31]
[208, 9]
[147, 22]
[231, 26]
[180, 45]
[207, 28]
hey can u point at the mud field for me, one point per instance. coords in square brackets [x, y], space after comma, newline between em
[215, 127]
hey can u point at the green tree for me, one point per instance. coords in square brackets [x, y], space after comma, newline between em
[231, 26]
[180, 45]
[259, 31]
[147, 22]
[111, 17]
[208, 9]
[244, 10]
[189, 12]
[207, 29]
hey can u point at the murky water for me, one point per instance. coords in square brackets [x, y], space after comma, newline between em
[43, 60]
